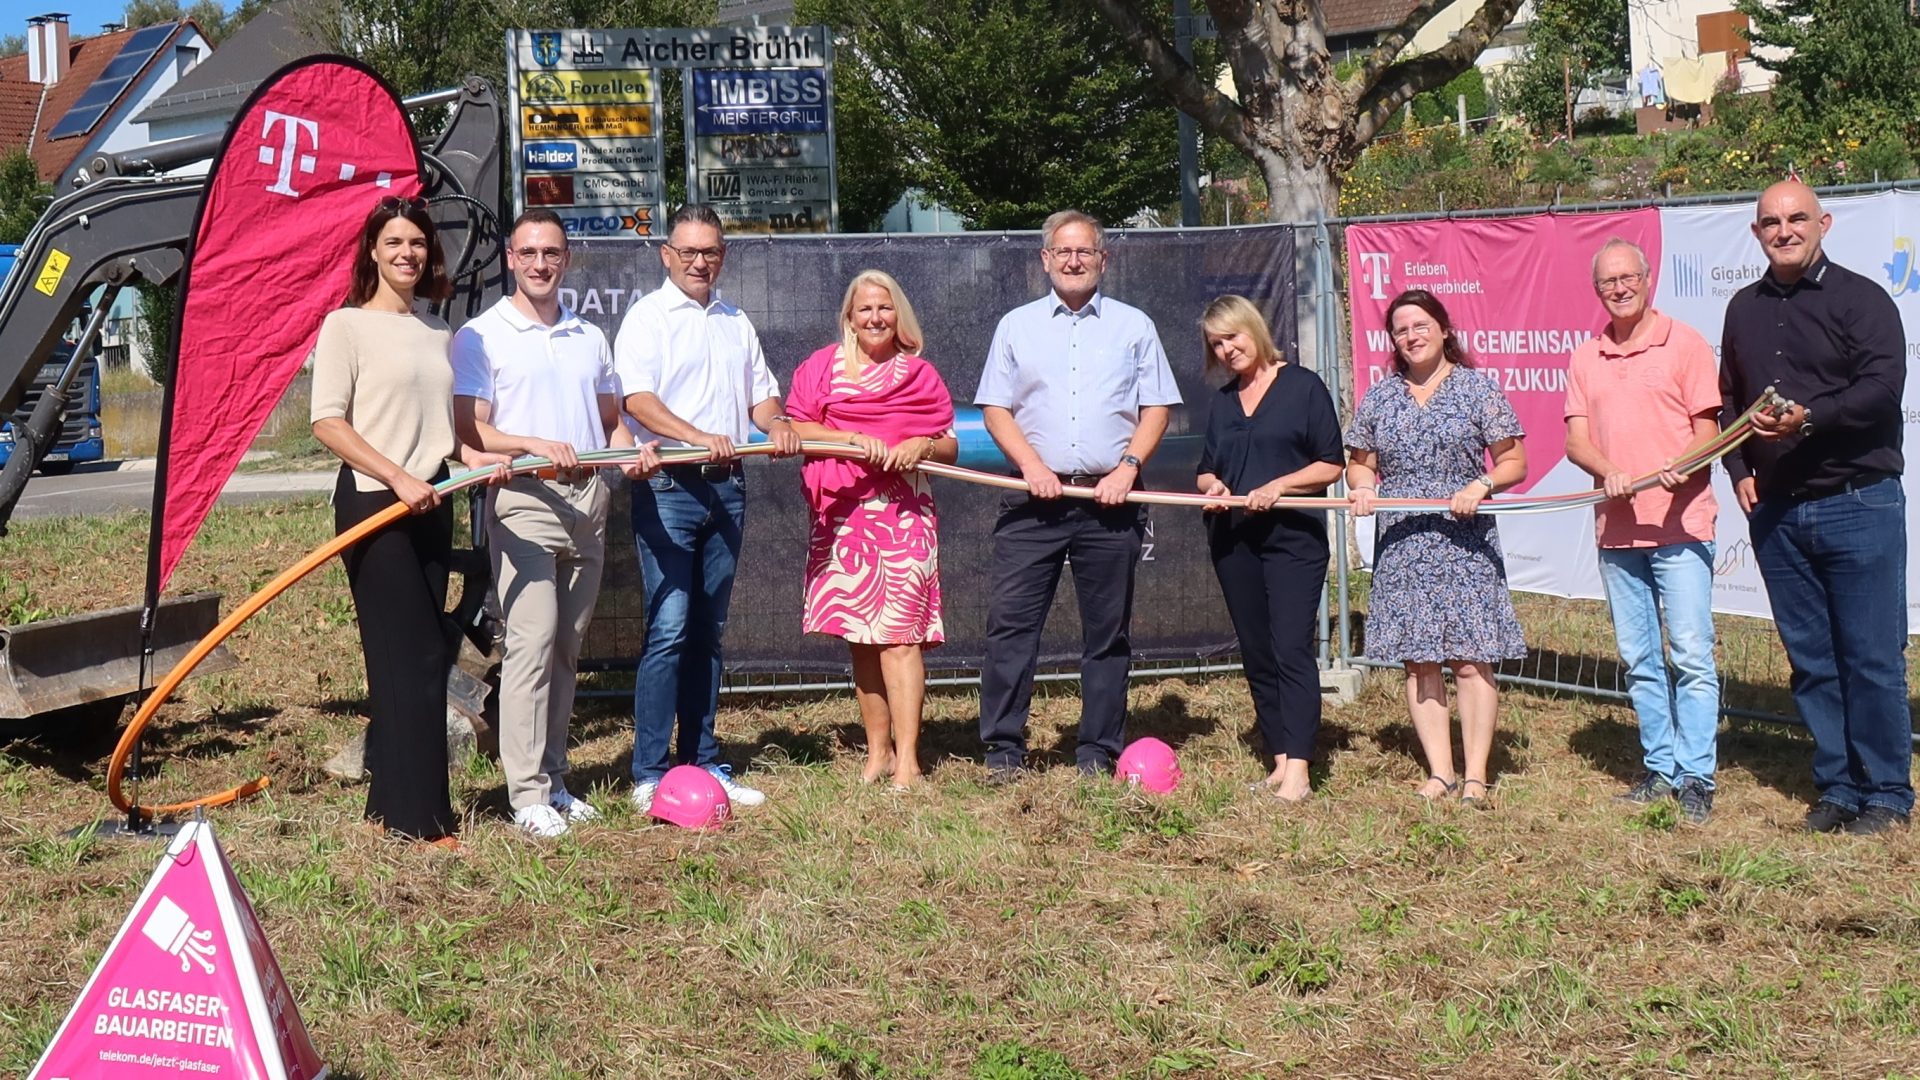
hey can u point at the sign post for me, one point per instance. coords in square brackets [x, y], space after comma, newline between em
[758, 120]
[585, 133]
[760, 148]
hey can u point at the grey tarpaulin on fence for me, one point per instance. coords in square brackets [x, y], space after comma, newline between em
[959, 285]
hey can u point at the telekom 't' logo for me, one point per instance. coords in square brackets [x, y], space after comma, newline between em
[1373, 271]
[289, 156]
[289, 152]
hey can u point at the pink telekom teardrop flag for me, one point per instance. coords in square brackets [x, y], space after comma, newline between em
[189, 986]
[319, 143]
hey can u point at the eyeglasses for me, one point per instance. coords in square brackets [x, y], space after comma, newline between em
[550, 256]
[1415, 330]
[1083, 254]
[394, 204]
[694, 255]
[1617, 280]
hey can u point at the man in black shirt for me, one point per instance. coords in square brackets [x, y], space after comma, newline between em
[1821, 488]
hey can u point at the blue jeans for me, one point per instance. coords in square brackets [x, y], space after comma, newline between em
[1836, 573]
[687, 531]
[1679, 717]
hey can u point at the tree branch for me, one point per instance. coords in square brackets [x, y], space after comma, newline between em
[1219, 114]
[1387, 49]
[1398, 83]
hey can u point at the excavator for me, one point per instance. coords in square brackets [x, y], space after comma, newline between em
[128, 220]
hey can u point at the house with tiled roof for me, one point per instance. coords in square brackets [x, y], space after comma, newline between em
[68, 98]
[207, 97]
[1353, 26]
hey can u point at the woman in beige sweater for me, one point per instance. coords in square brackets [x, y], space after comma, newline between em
[383, 402]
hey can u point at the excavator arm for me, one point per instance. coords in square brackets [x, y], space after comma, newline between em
[125, 225]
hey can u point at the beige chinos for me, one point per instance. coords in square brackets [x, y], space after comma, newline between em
[547, 541]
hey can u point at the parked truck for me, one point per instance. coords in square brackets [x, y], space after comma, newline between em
[79, 437]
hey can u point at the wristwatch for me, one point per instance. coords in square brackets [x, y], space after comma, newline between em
[779, 418]
[1129, 459]
[1487, 480]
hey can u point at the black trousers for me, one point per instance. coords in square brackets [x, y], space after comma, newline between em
[399, 581]
[1273, 596]
[1032, 540]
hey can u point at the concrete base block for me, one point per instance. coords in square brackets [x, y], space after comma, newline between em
[1341, 685]
[349, 765]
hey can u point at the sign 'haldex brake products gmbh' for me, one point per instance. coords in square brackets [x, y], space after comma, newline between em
[585, 136]
[759, 126]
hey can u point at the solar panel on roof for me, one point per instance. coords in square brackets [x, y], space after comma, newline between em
[126, 65]
[102, 92]
[77, 122]
[112, 80]
[149, 37]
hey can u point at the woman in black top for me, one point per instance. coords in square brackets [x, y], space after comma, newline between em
[1271, 432]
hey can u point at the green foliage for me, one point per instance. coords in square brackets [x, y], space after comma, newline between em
[1579, 42]
[1014, 1061]
[1442, 106]
[1294, 962]
[23, 198]
[838, 1051]
[212, 17]
[1009, 111]
[1842, 53]
[1660, 817]
[19, 606]
[1120, 812]
[1677, 902]
[13, 44]
[1558, 165]
[872, 156]
[1756, 141]
[156, 304]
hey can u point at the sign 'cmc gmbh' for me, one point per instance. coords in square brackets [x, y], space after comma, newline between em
[587, 135]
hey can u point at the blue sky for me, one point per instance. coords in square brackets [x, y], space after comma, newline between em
[84, 16]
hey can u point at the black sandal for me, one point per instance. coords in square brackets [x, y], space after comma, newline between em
[1477, 802]
[1446, 788]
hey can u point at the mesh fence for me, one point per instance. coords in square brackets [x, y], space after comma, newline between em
[959, 285]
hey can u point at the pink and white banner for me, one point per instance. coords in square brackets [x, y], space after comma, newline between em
[1520, 291]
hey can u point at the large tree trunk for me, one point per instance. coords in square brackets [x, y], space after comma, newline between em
[1291, 115]
[1301, 188]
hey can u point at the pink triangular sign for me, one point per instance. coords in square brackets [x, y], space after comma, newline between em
[188, 987]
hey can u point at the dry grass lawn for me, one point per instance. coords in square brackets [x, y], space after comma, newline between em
[1050, 930]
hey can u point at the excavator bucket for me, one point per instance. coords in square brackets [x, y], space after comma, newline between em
[58, 663]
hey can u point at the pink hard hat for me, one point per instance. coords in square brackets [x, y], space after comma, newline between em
[691, 798]
[1149, 763]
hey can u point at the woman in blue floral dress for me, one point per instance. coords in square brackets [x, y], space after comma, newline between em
[1439, 585]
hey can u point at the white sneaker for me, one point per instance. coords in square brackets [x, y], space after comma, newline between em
[576, 809]
[542, 821]
[739, 794]
[643, 795]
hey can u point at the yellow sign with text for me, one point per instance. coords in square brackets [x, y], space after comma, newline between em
[49, 277]
[586, 121]
[574, 87]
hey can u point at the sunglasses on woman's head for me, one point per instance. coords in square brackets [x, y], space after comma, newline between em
[394, 204]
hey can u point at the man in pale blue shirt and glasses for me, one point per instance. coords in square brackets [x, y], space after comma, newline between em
[1076, 392]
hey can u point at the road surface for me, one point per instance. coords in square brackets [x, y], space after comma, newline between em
[111, 487]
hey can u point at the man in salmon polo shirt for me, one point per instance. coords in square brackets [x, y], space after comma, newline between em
[1640, 394]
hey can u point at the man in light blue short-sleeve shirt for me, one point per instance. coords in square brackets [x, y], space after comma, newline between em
[1076, 392]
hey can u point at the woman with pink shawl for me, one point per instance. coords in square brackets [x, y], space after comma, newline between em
[873, 558]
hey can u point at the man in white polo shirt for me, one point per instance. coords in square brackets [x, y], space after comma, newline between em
[693, 374]
[529, 377]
